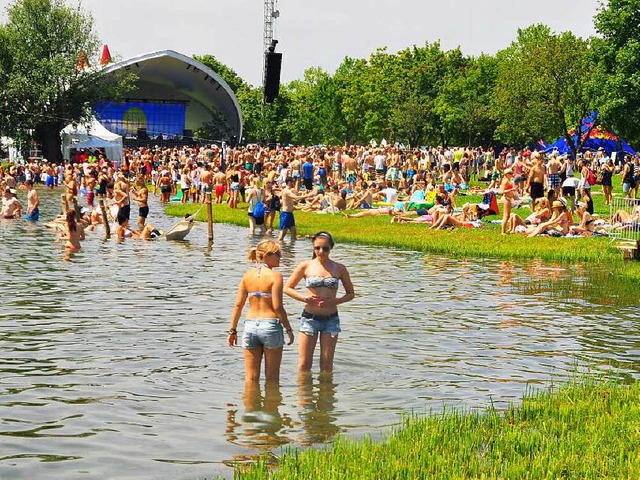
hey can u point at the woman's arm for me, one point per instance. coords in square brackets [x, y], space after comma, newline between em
[292, 283]
[241, 298]
[276, 298]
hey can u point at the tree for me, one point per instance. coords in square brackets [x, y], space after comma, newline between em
[617, 53]
[235, 81]
[42, 88]
[543, 87]
[464, 102]
[314, 115]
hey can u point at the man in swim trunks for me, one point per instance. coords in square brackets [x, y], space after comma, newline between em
[220, 181]
[206, 179]
[166, 185]
[553, 167]
[33, 202]
[121, 197]
[536, 179]
[90, 182]
[350, 166]
[141, 195]
[287, 222]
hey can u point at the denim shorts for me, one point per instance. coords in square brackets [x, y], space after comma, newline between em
[267, 333]
[311, 326]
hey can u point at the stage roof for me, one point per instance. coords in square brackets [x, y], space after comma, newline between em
[171, 76]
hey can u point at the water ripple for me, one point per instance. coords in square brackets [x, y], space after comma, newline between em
[118, 357]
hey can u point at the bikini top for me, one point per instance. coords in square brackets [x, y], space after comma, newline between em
[317, 281]
[260, 294]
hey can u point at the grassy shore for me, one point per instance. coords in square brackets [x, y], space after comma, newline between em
[579, 430]
[480, 243]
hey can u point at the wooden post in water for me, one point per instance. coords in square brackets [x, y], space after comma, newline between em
[209, 201]
[105, 219]
[64, 204]
[76, 209]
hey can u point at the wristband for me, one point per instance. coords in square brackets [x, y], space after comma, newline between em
[233, 331]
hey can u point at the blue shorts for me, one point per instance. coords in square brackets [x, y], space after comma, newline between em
[35, 215]
[267, 333]
[49, 182]
[315, 324]
[287, 220]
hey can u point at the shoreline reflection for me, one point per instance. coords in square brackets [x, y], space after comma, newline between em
[317, 405]
[260, 426]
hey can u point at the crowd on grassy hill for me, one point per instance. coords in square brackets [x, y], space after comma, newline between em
[412, 185]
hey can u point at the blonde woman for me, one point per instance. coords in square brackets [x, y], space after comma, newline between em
[266, 321]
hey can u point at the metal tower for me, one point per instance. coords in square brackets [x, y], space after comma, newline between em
[271, 13]
[270, 16]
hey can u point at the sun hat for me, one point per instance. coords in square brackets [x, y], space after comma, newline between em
[557, 204]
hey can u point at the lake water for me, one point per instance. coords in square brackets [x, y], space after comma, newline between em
[115, 365]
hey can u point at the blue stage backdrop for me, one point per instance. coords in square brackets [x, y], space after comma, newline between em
[156, 117]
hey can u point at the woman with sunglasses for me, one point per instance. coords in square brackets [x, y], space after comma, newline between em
[266, 319]
[320, 315]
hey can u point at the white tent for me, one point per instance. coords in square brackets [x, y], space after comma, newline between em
[73, 135]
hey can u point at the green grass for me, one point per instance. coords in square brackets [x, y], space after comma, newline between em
[476, 243]
[581, 430]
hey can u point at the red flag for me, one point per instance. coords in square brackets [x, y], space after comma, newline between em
[106, 56]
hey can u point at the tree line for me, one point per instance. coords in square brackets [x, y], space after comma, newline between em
[540, 86]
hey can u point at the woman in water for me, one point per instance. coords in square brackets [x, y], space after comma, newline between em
[73, 232]
[320, 315]
[266, 319]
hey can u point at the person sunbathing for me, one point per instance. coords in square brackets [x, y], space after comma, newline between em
[622, 216]
[561, 220]
[586, 227]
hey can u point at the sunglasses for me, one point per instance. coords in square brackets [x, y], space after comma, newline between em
[278, 253]
[324, 249]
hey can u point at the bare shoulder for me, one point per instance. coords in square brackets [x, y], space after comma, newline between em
[341, 268]
[302, 266]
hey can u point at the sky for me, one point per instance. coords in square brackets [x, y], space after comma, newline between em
[321, 33]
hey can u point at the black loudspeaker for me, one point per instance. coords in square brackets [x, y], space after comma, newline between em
[142, 134]
[187, 133]
[273, 63]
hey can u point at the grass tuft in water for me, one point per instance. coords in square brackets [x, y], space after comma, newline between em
[585, 429]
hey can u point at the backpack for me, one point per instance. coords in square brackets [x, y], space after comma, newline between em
[258, 210]
[592, 177]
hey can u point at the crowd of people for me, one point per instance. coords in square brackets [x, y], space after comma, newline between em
[410, 185]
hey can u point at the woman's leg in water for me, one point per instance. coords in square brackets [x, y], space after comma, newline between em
[306, 347]
[328, 344]
[272, 361]
[252, 362]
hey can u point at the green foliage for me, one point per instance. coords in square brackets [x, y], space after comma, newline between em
[543, 86]
[41, 87]
[228, 74]
[584, 429]
[464, 102]
[617, 53]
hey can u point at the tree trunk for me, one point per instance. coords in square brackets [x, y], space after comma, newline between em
[48, 136]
